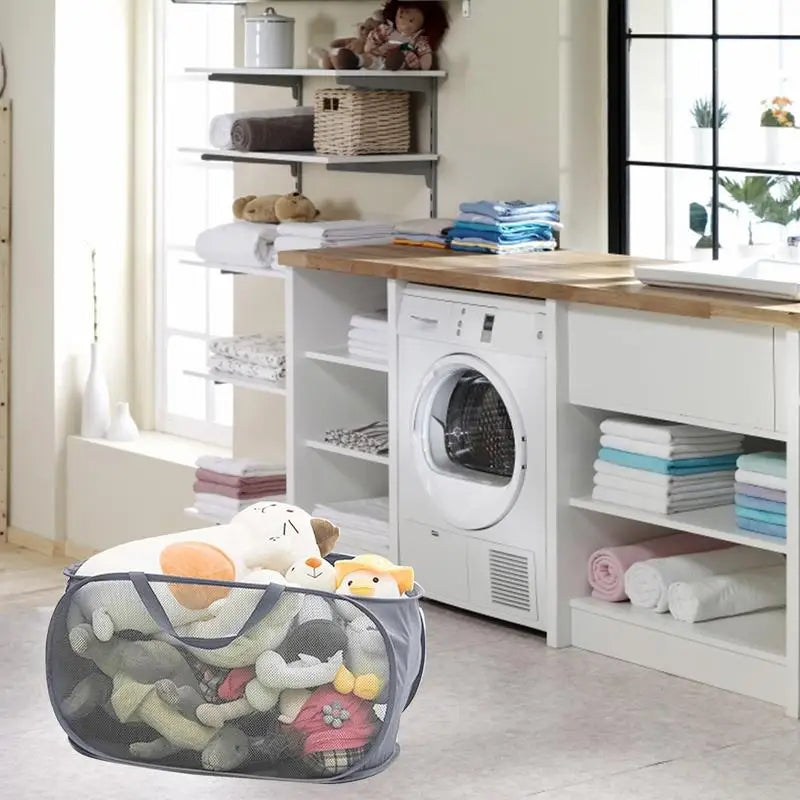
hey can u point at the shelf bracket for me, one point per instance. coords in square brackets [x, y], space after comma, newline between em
[293, 82]
[396, 82]
[424, 168]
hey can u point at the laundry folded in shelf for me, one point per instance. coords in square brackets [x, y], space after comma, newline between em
[284, 242]
[608, 565]
[767, 463]
[682, 466]
[472, 245]
[235, 366]
[728, 595]
[761, 516]
[660, 432]
[664, 490]
[238, 481]
[343, 230]
[647, 582]
[424, 227]
[241, 243]
[663, 505]
[366, 343]
[372, 438]
[760, 479]
[531, 233]
[760, 504]
[219, 133]
[536, 218]
[510, 210]
[764, 528]
[759, 492]
[380, 356]
[371, 320]
[435, 243]
[726, 446]
[278, 486]
[659, 479]
[291, 133]
[268, 351]
[238, 467]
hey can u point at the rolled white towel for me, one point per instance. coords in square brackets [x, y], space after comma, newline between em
[246, 244]
[219, 129]
[728, 595]
[647, 582]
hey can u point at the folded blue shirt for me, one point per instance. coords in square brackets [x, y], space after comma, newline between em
[527, 230]
[664, 466]
[506, 209]
[758, 503]
[468, 232]
[765, 528]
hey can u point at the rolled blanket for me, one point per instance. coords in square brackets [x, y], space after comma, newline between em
[647, 582]
[728, 595]
[246, 244]
[673, 451]
[761, 479]
[770, 463]
[608, 565]
[238, 467]
[273, 135]
[219, 133]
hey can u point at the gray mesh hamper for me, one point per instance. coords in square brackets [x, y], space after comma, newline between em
[268, 681]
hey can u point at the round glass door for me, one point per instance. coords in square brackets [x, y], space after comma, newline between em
[469, 442]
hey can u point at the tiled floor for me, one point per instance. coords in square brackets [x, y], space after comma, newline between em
[499, 716]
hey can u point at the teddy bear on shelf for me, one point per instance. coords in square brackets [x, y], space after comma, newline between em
[407, 40]
[328, 57]
[275, 208]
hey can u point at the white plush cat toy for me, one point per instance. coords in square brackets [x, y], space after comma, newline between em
[257, 546]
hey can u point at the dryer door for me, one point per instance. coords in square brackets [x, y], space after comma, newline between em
[469, 443]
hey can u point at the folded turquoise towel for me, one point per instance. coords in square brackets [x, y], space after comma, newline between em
[664, 466]
[753, 525]
[761, 516]
[765, 463]
[758, 503]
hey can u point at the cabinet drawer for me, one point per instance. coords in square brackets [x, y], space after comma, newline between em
[653, 364]
[439, 559]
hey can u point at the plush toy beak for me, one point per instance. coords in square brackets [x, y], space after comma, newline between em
[361, 589]
[313, 562]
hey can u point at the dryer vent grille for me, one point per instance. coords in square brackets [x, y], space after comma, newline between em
[509, 577]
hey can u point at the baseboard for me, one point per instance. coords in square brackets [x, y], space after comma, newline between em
[35, 542]
[78, 552]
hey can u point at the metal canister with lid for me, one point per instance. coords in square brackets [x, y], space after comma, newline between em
[269, 41]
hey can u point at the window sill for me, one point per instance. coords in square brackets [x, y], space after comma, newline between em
[163, 447]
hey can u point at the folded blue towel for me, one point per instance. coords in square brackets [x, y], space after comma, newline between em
[766, 463]
[758, 503]
[778, 531]
[542, 234]
[681, 466]
[488, 223]
[505, 210]
[761, 516]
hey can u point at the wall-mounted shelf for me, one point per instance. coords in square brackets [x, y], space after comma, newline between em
[347, 452]
[341, 355]
[276, 387]
[234, 269]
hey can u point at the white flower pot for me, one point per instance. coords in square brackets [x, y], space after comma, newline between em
[703, 145]
[781, 145]
[95, 415]
[122, 427]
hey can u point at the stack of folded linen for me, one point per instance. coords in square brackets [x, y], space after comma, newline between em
[221, 127]
[241, 243]
[337, 233]
[505, 228]
[761, 493]
[664, 468]
[432, 233]
[372, 438]
[255, 356]
[363, 524]
[369, 336]
[225, 486]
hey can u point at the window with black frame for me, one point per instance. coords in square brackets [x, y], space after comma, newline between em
[704, 128]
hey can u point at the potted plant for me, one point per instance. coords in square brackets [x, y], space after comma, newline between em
[698, 223]
[778, 125]
[703, 112]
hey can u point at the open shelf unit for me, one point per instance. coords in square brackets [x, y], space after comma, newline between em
[276, 387]
[347, 452]
[233, 269]
[341, 355]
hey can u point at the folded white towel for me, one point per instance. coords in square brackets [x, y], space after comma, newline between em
[658, 432]
[369, 336]
[647, 582]
[433, 227]
[673, 481]
[359, 349]
[372, 320]
[664, 491]
[369, 355]
[241, 243]
[662, 505]
[673, 451]
[219, 129]
[338, 230]
[239, 467]
[728, 595]
[284, 242]
[760, 479]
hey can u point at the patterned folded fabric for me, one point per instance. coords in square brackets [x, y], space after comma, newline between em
[233, 366]
[267, 351]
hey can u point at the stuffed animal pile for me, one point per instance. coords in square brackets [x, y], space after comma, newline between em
[301, 692]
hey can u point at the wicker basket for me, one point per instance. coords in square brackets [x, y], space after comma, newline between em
[353, 122]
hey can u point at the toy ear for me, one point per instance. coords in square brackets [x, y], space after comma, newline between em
[326, 534]
[239, 205]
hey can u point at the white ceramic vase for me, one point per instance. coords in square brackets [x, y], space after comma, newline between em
[122, 428]
[781, 145]
[703, 145]
[95, 414]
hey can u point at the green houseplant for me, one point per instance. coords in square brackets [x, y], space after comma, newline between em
[702, 112]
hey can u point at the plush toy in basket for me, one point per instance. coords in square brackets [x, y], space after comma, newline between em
[245, 648]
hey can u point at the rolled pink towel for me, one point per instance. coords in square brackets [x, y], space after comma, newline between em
[608, 565]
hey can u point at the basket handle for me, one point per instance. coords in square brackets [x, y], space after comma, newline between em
[423, 656]
[271, 593]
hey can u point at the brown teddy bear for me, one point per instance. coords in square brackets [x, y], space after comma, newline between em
[275, 208]
[343, 53]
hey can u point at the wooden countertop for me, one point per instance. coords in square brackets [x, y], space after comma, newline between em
[594, 278]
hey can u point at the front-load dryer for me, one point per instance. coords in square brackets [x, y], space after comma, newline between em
[471, 475]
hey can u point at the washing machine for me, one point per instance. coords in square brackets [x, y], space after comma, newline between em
[471, 476]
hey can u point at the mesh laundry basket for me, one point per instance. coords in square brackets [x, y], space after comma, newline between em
[353, 122]
[279, 682]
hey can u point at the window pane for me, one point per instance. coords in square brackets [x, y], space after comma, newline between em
[746, 16]
[223, 404]
[185, 297]
[670, 16]
[667, 78]
[184, 38]
[758, 214]
[185, 204]
[186, 395]
[220, 195]
[220, 299]
[670, 213]
[186, 123]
